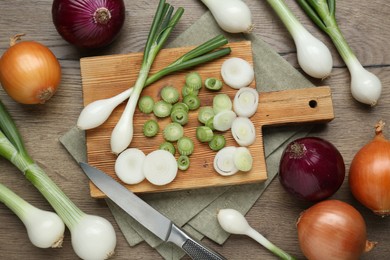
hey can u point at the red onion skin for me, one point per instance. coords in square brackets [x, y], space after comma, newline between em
[332, 229]
[76, 23]
[311, 169]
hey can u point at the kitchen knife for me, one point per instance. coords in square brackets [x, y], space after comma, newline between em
[150, 218]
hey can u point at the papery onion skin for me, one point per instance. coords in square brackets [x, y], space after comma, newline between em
[332, 229]
[311, 169]
[88, 23]
[369, 174]
[29, 72]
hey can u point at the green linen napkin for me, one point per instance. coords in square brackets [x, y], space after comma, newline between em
[195, 210]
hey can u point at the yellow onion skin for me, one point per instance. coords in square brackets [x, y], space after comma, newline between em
[332, 229]
[369, 174]
[29, 72]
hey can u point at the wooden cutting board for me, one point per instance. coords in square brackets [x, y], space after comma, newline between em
[106, 76]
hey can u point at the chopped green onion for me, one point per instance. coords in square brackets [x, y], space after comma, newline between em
[145, 104]
[204, 134]
[173, 132]
[217, 143]
[179, 116]
[170, 94]
[243, 159]
[194, 80]
[168, 146]
[210, 123]
[187, 90]
[365, 86]
[162, 109]
[185, 146]
[180, 105]
[213, 84]
[183, 162]
[192, 101]
[150, 128]
[222, 102]
[205, 113]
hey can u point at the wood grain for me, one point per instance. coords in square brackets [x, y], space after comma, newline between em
[105, 76]
[366, 26]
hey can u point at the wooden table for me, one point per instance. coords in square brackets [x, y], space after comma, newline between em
[365, 25]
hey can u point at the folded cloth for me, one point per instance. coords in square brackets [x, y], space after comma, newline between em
[195, 210]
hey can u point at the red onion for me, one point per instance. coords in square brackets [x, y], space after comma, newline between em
[88, 23]
[311, 169]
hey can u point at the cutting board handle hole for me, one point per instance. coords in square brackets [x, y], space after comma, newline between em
[313, 103]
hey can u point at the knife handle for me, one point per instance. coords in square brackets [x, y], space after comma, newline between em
[193, 248]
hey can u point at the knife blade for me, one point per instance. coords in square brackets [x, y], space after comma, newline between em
[146, 215]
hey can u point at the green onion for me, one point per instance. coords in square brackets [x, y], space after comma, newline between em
[170, 94]
[183, 162]
[192, 101]
[217, 143]
[213, 84]
[204, 134]
[180, 105]
[44, 228]
[193, 80]
[222, 102]
[150, 128]
[98, 245]
[162, 109]
[205, 113]
[185, 146]
[163, 24]
[97, 112]
[179, 116]
[173, 132]
[313, 55]
[145, 104]
[187, 90]
[365, 86]
[168, 146]
[210, 123]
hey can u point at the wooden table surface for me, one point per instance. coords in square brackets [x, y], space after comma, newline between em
[366, 26]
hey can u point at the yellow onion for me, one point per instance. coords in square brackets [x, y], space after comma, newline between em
[369, 175]
[332, 229]
[29, 72]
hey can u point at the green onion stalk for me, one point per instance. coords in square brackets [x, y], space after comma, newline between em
[163, 23]
[97, 112]
[365, 86]
[85, 245]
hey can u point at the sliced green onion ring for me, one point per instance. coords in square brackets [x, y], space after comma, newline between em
[243, 159]
[173, 132]
[224, 161]
[213, 84]
[185, 146]
[217, 143]
[243, 131]
[192, 101]
[194, 80]
[168, 146]
[204, 134]
[150, 128]
[145, 104]
[170, 94]
[205, 113]
[222, 102]
[187, 90]
[224, 120]
[183, 162]
[179, 116]
[162, 109]
[246, 101]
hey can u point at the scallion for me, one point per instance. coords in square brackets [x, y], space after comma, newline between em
[163, 24]
[99, 244]
[365, 86]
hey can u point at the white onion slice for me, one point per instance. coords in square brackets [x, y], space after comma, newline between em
[243, 131]
[160, 167]
[246, 101]
[237, 73]
[243, 159]
[128, 166]
[223, 120]
[224, 161]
